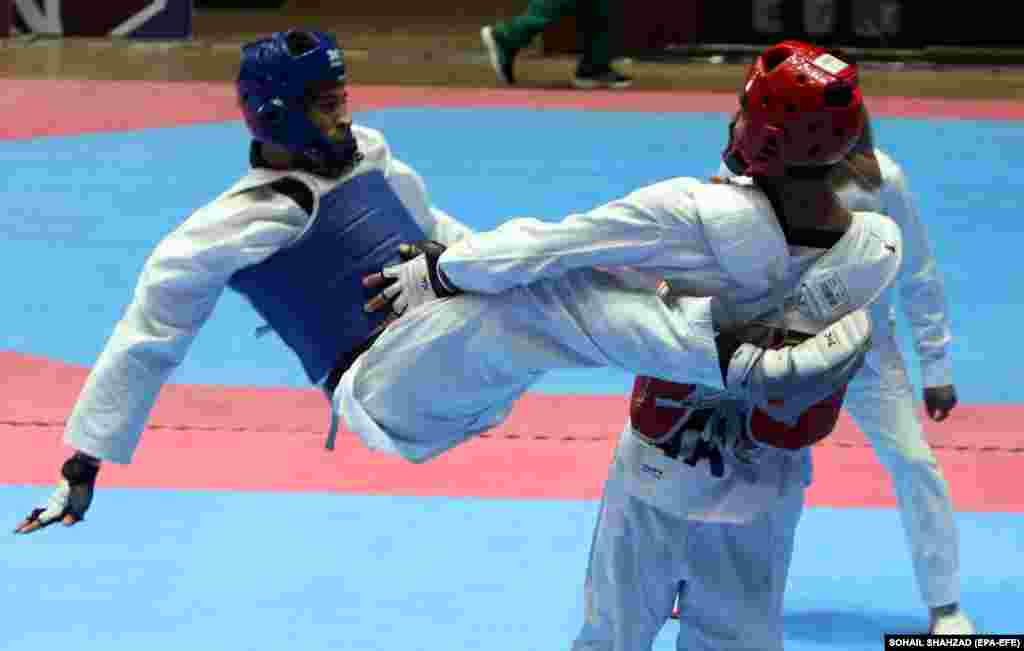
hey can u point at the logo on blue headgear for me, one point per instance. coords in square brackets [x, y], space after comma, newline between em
[274, 79]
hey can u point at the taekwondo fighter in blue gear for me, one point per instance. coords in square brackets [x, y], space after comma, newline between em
[324, 203]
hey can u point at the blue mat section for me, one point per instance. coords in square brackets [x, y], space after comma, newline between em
[162, 570]
[81, 214]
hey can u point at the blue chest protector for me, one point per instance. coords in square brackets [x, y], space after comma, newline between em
[311, 293]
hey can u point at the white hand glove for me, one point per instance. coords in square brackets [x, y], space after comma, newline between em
[415, 281]
[787, 381]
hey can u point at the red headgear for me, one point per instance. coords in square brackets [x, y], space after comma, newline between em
[801, 107]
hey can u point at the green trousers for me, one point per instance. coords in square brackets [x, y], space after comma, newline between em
[592, 18]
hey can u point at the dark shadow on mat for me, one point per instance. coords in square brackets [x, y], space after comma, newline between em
[851, 627]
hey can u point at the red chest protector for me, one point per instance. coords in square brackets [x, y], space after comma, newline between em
[659, 410]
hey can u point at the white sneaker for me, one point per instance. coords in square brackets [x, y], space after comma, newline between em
[501, 57]
[956, 623]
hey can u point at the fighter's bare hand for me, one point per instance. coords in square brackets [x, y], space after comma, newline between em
[70, 500]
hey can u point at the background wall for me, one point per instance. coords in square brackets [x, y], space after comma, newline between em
[644, 26]
[410, 42]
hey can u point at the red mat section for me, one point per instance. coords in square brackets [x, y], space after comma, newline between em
[33, 108]
[553, 447]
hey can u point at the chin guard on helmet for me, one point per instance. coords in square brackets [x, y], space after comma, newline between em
[800, 107]
[275, 80]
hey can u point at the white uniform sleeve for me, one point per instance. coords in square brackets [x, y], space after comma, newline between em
[175, 294]
[654, 226]
[922, 297]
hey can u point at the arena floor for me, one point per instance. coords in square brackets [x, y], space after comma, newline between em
[234, 529]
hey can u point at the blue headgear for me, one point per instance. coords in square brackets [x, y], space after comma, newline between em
[274, 79]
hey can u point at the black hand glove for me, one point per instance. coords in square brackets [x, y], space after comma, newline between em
[939, 401]
[71, 499]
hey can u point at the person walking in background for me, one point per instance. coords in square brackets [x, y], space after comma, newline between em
[505, 39]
